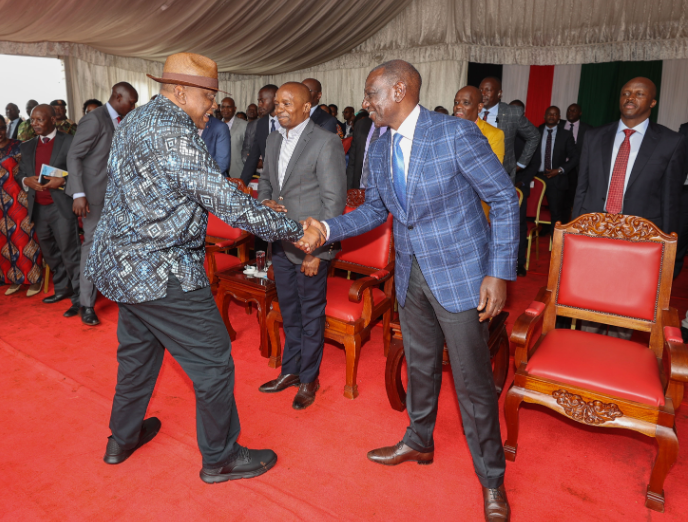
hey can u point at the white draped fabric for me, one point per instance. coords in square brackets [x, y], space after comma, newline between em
[515, 82]
[565, 86]
[673, 109]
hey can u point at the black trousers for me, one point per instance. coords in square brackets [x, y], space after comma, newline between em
[189, 326]
[425, 325]
[58, 238]
[556, 198]
[682, 247]
[302, 300]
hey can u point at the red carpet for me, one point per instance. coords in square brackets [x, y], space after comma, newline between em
[57, 378]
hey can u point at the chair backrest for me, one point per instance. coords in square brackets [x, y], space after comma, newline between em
[219, 229]
[371, 251]
[520, 196]
[613, 269]
[534, 203]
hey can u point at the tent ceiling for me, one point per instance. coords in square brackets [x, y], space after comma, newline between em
[243, 36]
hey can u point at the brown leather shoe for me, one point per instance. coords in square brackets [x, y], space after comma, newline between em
[281, 383]
[393, 455]
[496, 505]
[306, 395]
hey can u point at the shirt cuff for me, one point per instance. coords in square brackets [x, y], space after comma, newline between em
[522, 166]
[26, 189]
[79, 195]
[327, 230]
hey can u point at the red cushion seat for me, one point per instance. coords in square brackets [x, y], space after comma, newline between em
[338, 304]
[222, 262]
[599, 363]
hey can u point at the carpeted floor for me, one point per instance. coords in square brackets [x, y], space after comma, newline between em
[57, 378]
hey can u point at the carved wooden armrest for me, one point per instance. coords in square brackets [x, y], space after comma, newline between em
[375, 279]
[526, 325]
[676, 354]
[221, 246]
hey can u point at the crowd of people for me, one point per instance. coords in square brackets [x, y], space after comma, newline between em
[115, 180]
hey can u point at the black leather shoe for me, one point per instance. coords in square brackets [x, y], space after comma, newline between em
[521, 271]
[114, 454]
[281, 383]
[247, 464]
[496, 505]
[57, 297]
[393, 455]
[88, 316]
[306, 395]
[72, 311]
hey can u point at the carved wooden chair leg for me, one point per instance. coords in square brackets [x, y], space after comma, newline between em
[386, 330]
[395, 390]
[500, 367]
[666, 457]
[273, 320]
[511, 406]
[353, 350]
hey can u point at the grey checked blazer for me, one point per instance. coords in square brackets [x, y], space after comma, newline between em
[314, 184]
[510, 120]
[237, 132]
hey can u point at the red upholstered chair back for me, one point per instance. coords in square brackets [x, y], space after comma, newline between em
[220, 229]
[612, 269]
[373, 249]
[537, 193]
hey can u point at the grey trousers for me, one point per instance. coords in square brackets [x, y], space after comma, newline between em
[425, 325]
[58, 238]
[189, 326]
[89, 222]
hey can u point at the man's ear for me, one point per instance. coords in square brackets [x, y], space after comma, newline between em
[180, 94]
[399, 91]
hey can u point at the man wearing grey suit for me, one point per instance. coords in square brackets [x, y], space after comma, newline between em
[511, 120]
[304, 174]
[237, 130]
[87, 167]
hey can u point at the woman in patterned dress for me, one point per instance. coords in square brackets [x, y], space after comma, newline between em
[20, 257]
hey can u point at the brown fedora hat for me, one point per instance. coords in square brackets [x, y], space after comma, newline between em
[193, 70]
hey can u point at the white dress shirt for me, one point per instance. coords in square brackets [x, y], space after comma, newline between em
[492, 114]
[50, 137]
[277, 124]
[636, 141]
[407, 129]
[113, 116]
[543, 145]
[349, 130]
[576, 126]
[289, 140]
[230, 122]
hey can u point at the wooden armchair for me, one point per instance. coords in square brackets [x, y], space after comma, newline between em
[534, 210]
[615, 270]
[353, 306]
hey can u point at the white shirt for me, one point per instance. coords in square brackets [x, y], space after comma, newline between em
[636, 141]
[543, 147]
[493, 112]
[349, 130]
[230, 122]
[277, 124]
[289, 140]
[313, 109]
[50, 137]
[576, 126]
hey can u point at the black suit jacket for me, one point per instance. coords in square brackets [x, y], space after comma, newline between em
[683, 130]
[654, 186]
[324, 120]
[257, 149]
[16, 129]
[564, 155]
[357, 153]
[58, 159]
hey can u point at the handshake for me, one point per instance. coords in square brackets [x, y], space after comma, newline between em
[314, 235]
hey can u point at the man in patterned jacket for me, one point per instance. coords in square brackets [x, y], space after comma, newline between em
[147, 255]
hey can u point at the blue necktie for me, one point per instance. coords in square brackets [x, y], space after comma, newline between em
[398, 171]
[273, 126]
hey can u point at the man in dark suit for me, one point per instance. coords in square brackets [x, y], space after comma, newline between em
[334, 111]
[13, 120]
[218, 139]
[682, 247]
[304, 175]
[357, 152]
[50, 208]
[266, 124]
[431, 172]
[319, 116]
[556, 158]
[87, 181]
[512, 121]
[578, 128]
[633, 166]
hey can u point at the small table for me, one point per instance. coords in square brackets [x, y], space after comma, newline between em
[245, 288]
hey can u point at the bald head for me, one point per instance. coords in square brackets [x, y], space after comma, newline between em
[392, 91]
[399, 71]
[123, 98]
[292, 104]
[43, 119]
[637, 101]
[315, 90]
[468, 102]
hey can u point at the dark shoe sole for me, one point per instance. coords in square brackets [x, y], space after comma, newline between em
[280, 390]
[215, 479]
[419, 462]
[90, 323]
[146, 436]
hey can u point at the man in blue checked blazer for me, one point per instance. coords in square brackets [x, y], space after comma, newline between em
[431, 172]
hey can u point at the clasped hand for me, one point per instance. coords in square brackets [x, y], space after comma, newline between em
[53, 183]
[314, 235]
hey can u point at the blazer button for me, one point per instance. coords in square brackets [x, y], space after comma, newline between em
[411, 227]
[281, 198]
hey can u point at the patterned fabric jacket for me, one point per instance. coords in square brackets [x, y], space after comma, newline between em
[161, 184]
[451, 169]
[67, 126]
[25, 132]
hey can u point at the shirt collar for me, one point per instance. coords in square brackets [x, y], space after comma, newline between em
[408, 126]
[230, 120]
[641, 128]
[294, 133]
[491, 109]
[50, 136]
[313, 109]
[112, 112]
